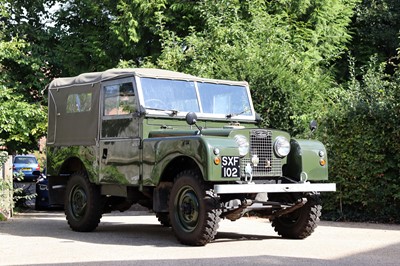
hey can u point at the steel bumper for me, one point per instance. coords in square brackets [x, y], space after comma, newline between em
[273, 188]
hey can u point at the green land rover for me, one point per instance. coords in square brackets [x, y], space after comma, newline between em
[190, 149]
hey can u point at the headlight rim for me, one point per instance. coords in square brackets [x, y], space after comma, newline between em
[279, 144]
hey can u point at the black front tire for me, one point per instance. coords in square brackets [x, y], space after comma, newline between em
[83, 203]
[302, 222]
[194, 210]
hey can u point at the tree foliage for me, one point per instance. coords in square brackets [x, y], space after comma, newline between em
[283, 49]
[22, 118]
[376, 26]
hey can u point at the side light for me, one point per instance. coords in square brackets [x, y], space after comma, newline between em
[217, 160]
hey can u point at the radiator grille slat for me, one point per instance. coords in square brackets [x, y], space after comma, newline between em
[261, 145]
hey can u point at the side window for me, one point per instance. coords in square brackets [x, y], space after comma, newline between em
[119, 99]
[79, 102]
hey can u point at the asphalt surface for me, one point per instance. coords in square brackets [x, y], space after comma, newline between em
[136, 238]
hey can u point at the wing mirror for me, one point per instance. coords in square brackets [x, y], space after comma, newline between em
[191, 119]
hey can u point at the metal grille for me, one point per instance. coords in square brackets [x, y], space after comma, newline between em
[261, 145]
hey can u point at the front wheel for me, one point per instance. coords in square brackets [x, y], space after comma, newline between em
[300, 223]
[83, 203]
[194, 210]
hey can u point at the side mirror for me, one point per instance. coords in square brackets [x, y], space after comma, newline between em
[191, 118]
[313, 126]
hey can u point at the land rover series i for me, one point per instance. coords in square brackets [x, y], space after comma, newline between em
[188, 148]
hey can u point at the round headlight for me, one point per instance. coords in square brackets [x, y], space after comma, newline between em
[243, 144]
[281, 147]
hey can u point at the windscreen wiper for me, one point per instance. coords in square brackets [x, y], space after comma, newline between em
[236, 114]
[172, 111]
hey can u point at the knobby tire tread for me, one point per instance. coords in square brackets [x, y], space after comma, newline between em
[306, 223]
[209, 227]
[94, 210]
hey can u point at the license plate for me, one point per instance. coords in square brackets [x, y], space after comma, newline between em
[230, 166]
[26, 169]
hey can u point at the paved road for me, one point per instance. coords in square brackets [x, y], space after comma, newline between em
[136, 238]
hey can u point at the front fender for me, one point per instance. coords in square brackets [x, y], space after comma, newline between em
[159, 152]
[304, 160]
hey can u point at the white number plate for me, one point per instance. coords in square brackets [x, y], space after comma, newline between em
[230, 166]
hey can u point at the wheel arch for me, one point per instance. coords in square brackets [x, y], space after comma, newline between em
[164, 186]
[177, 165]
[58, 183]
[72, 165]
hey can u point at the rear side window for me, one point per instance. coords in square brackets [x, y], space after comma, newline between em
[77, 103]
[119, 99]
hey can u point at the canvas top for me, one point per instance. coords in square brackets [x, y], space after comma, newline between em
[95, 77]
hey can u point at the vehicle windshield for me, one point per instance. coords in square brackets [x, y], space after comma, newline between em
[170, 95]
[200, 97]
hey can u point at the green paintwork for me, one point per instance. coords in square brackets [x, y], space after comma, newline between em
[304, 160]
[59, 160]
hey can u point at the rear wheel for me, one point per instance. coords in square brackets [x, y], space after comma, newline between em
[83, 204]
[300, 223]
[194, 210]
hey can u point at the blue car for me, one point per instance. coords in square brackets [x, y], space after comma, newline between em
[26, 164]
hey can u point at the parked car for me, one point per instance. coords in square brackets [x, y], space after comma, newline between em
[26, 164]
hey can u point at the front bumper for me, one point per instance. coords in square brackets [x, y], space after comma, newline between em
[273, 188]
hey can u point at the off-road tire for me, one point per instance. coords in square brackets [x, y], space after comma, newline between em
[83, 203]
[300, 223]
[194, 210]
[163, 218]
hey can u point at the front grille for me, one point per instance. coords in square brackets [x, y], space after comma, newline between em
[261, 145]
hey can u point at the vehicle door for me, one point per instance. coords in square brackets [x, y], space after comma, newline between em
[119, 133]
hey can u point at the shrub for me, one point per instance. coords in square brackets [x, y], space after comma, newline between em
[362, 135]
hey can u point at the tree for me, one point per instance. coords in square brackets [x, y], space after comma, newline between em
[22, 122]
[376, 27]
[375, 31]
[140, 25]
[283, 48]
[84, 40]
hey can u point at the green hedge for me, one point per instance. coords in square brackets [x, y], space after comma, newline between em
[362, 134]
